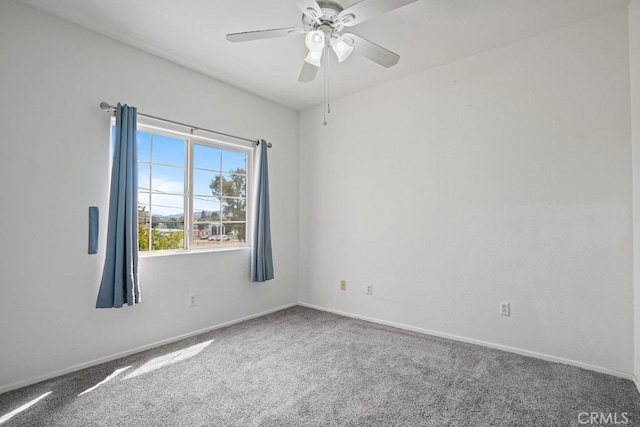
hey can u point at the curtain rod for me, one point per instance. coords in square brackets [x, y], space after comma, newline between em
[105, 106]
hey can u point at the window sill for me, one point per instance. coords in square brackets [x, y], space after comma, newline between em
[153, 254]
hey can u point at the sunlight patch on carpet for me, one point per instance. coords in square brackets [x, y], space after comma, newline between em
[109, 378]
[168, 359]
[24, 407]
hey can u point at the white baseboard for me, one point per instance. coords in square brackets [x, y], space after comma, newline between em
[528, 353]
[516, 350]
[636, 382]
[109, 358]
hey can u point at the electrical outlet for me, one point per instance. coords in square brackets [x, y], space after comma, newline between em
[343, 285]
[368, 289]
[505, 309]
[193, 300]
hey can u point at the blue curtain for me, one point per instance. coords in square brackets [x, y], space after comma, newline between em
[261, 257]
[119, 283]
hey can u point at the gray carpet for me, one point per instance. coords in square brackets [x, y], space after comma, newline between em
[302, 367]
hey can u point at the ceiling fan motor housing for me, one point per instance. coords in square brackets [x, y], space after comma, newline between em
[328, 23]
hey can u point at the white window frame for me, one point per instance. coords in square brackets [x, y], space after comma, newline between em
[188, 135]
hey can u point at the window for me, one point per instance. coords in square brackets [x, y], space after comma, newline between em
[192, 191]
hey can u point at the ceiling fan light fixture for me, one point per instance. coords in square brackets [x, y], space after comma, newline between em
[341, 48]
[314, 58]
[314, 40]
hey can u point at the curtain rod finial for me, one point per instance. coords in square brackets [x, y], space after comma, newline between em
[105, 106]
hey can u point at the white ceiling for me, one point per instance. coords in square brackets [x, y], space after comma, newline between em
[426, 34]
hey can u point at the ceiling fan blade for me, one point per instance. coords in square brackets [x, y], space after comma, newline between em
[310, 8]
[263, 34]
[308, 73]
[368, 9]
[372, 51]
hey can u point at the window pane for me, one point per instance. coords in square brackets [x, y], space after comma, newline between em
[167, 179]
[203, 182]
[206, 221]
[217, 236]
[167, 238]
[222, 234]
[236, 233]
[234, 161]
[144, 178]
[143, 204]
[234, 209]
[206, 209]
[205, 157]
[144, 146]
[234, 185]
[143, 220]
[168, 151]
[165, 205]
[167, 222]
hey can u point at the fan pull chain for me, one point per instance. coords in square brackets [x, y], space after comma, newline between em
[324, 93]
[328, 83]
[326, 86]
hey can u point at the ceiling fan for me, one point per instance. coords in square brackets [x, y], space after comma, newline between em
[323, 22]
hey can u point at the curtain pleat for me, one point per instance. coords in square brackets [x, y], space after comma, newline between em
[261, 256]
[119, 284]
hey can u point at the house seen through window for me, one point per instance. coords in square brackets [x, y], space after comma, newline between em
[192, 193]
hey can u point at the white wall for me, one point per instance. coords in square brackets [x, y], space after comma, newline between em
[502, 177]
[54, 165]
[634, 66]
